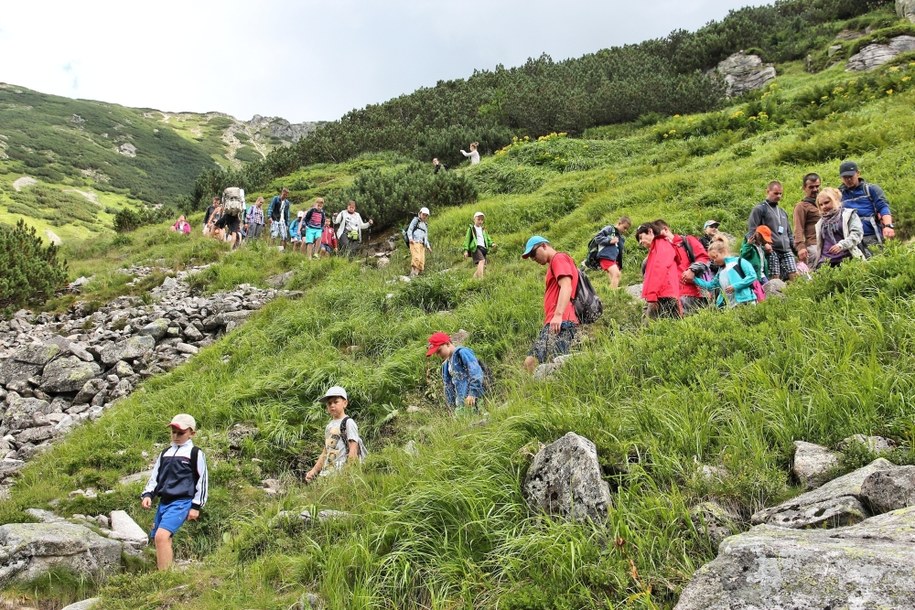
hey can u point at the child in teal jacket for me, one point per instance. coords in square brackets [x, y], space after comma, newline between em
[735, 284]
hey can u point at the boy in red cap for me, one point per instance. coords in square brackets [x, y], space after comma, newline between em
[462, 373]
[179, 479]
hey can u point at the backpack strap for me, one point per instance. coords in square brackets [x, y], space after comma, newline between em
[195, 458]
[343, 432]
[689, 249]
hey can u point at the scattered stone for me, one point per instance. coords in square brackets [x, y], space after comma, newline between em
[813, 463]
[834, 504]
[414, 409]
[131, 348]
[411, 449]
[565, 479]
[874, 444]
[272, 487]
[869, 565]
[322, 516]
[123, 527]
[156, 329]
[889, 490]
[37, 353]
[716, 521]
[77, 285]
[44, 516]
[137, 477]
[29, 550]
[86, 604]
[238, 433]
[186, 348]
[278, 281]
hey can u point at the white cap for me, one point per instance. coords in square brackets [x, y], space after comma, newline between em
[183, 421]
[335, 391]
[424, 211]
[301, 214]
[479, 214]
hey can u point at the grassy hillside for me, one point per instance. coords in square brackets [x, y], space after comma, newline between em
[448, 528]
[67, 165]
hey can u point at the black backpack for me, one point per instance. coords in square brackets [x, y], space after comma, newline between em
[403, 231]
[591, 260]
[588, 307]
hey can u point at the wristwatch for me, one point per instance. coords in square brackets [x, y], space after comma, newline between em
[889, 226]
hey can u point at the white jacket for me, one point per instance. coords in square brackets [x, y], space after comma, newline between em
[852, 233]
[349, 222]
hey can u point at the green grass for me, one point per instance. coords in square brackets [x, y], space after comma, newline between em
[448, 528]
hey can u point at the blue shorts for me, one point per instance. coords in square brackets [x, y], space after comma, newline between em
[171, 516]
[312, 235]
[547, 346]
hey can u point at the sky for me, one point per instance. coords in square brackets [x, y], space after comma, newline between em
[305, 60]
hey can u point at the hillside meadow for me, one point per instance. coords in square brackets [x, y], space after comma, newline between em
[447, 527]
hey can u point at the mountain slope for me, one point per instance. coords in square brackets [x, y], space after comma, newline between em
[67, 165]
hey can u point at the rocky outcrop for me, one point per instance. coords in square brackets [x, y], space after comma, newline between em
[906, 9]
[564, 479]
[889, 490]
[869, 565]
[277, 127]
[28, 550]
[874, 55]
[742, 73]
[838, 502]
[59, 370]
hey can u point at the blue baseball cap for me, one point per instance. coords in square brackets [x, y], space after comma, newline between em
[532, 243]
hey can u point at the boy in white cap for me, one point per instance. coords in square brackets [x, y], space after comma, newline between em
[418, 236]
[342, 443]
[477, 243]
[179, 479]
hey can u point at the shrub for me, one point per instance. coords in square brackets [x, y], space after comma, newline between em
[129, 219]
[29, 271]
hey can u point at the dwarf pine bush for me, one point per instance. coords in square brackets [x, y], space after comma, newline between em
[30, 271]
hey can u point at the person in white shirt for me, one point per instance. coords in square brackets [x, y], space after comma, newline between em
[349, 228]
[473, 154]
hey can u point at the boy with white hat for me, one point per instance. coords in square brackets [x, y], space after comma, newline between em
[418, 236]
[179, 479]
[342, 443]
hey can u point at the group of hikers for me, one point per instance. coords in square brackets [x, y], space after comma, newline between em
[313, 232]
[681, 274]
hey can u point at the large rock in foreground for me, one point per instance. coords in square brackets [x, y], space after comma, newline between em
[29, 550]
[565, 479]
[869, 565]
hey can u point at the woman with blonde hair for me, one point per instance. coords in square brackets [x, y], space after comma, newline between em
[839, 230]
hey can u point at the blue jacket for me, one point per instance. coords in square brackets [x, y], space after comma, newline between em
[868, 200]
[743, 292]
[173, 478]
[295, 229]
[276, 204]
[608, 251]
[463, 377]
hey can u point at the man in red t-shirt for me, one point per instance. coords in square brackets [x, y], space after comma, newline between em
[560, 321]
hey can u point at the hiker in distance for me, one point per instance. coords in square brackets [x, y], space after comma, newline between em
[806, 215]
[560, 321]
[869, 201]
[473, 155]
[418, 235]
[477, 243]
[179, 480]
[782, 264]
[462, 374]
[349, 228]
[611, 240]
[278, 217]
[342, 443]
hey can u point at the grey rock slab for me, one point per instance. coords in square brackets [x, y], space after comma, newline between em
[812, 463]
[29, 550]
[68, 374]
[836, 501]
[21, 412]
[742, 73]
[156, 329]
[11, 369]
[186, 348]
[89, 390]
[128, 349]
[37, 353]
[564, 479]
[874, 444]
[869, 565]
[44, 516]
[9, 467]
[191, 333]
[906, 9]
[123, 527]
[137, 477]
[889, 490]
[80, 352]
[86, 604]
[35, 435]
[874, 55]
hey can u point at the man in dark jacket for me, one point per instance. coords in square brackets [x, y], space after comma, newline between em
[611, 239]
[781, 260]
[869, 201]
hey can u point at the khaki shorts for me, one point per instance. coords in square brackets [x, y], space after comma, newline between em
[417, 256]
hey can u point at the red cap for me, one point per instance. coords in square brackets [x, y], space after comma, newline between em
[436, 341]
[765, 232]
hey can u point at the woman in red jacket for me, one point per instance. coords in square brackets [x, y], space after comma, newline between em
[661, 286]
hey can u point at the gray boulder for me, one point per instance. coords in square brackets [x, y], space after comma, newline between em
[86, 604]
[906, 9]
[743, 73]
[836, 503]
[123, 527]
[813, 463]
[29, 550]
[25, 412]
[89, 390]
[715, 520]
[131, 348]
[874, 444]
[12, 370]
[869, 565]
[889, 489]
[37, 353]
[68, 374]
[565, 479]
[156, 329]
[874, 55]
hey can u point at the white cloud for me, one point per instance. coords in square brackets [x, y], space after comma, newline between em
[309, 59]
